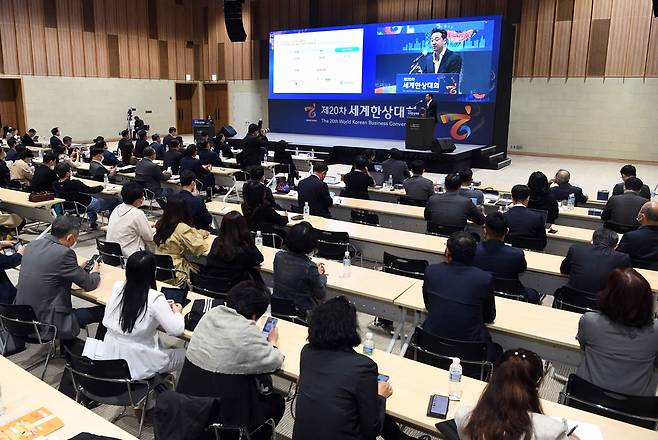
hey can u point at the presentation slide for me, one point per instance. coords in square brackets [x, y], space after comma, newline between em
[344, 81]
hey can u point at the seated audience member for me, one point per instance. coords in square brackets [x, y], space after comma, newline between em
[589, 265]
[564, 189]
[500, 259]
[5, 174]
[207, 156]
[509, 407]
[201, 218]
[190, 161]
[459, 297]
[229, 358]
[339, 396]
[128, 225]
[22, 170]
[221, 147]
[201, 140]
[257, 174]
[175, 236]
[67, 148]
[233, 254]
[370, 155]
[296, 276]
[28, 138]
[133, 316]
[467, 189]
[620, 340]
[55, 142]
[395, 166]
[8, 261]
[14, 150]
[74, 190]
[44, 174]
[622, 210]
[12, 134]
[525, 225]
[259, 213]
[418, 187]
[284, 157]
[451, 208]
[97, 170]
[626, 172]
[127, 149]
[48, 269]
[171, 135]
[358, 180]
[314, 191]
[157, 146]
[541, 197]
[149, 174]
[173, 156]
[141, 144]
[254, 148]
[642, 244]
[109, 158]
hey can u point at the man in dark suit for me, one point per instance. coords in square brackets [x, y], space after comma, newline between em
[459, 297]
[451, 208]
[254, 148]
[170, 136]
[201, 218]
[564, 189]
[150, 175]
[28, 138]
[499, 258]
[257, 174]
[55, 141]
[394, 166]
[626, 172]
[126, 148]
[141, 144]
[527, 228]
[622, 210]
[173, 156]
[97, 170]
[441, 60]
[589, 265]
[642, 244]
[208, 156]
[418, 187]
[44, 174]
[315, 192]
[431, 108]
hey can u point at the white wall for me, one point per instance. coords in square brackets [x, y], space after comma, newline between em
[594, 117]
[86, 107]
[247, 103]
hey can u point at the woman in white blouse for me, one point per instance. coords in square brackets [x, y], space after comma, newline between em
[132, 318]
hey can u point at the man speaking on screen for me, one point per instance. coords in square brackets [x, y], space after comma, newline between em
[442, 59]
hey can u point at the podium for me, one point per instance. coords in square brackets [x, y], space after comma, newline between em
[420, 133]
[199, 125]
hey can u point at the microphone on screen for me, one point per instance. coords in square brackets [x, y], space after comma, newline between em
[423, 53]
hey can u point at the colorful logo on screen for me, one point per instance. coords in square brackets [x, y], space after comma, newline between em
[459, 37]
[459, 130]
[311, 114]
[392, 30]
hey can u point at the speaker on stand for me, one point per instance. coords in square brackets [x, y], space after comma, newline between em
[233, 20]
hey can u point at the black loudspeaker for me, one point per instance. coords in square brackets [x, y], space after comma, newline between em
[233, 20]
[655, 8]
[228, 131]
[443, 145]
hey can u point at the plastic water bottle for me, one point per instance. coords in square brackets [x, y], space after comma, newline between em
[259, 239]
[307, 211]
[455, 389]
[347, 264]
[368, 345]
[390, 181]
[264, 159]
[312, 152]
[571, 201]
[106, 181]
[500, 209]
[654, 195]
[2, 404]
[297, 151]
[170, 171]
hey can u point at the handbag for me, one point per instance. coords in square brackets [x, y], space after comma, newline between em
[41, 196]
[199, 308]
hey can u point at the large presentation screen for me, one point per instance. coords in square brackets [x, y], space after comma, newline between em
[364, 81]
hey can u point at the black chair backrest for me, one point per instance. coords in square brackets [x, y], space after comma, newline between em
[110, 252]
[443, 230]
[619, 228]
[95, 376]
[285, 309]
[364, 217]
[15, 185]
[509, 288]
[282, 168]
[533, 244]
[404, 200]
[165, 267]
[574, 300]
[83, 173]
[437, 351]
[332, 245]
[213, 287]
[586, 396]
[21, 322]
[404, 266]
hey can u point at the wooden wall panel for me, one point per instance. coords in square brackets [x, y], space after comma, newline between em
[122, 34]
[22, 29]
[77, 41]
[617, 50]
[579, 44]
[638, 38]
[527, 37]
[64, 38]
[52, 51]
[560, 54]
[544, 40]
[100, 37]
[38, 37]
[652, 51]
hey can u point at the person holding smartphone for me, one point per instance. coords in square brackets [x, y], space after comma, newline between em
[10, 257]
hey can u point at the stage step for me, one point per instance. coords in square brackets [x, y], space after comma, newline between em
[488, 151]
[503, 163]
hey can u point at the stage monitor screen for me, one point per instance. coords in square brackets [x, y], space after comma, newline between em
[346, 81]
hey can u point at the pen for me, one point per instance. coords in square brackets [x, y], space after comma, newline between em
[572, 430]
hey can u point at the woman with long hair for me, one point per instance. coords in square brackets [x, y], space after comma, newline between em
[620, 341]
[233, 255]
[541, 197]
[175, 236]
[133, 316]
[509, 407]
[259, 213]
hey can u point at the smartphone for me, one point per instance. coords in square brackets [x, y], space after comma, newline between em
[382, 378]
[177, 295]
[297, 217]
[269, 326]
[594, 212]
[552, 231]
[438, 406]
[92, 261]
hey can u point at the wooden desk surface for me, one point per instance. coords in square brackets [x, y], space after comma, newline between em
[234, 161]
[111, 189]
[22, 393]
[20, 198]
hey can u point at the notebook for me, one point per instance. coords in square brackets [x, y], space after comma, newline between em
[36, 424]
